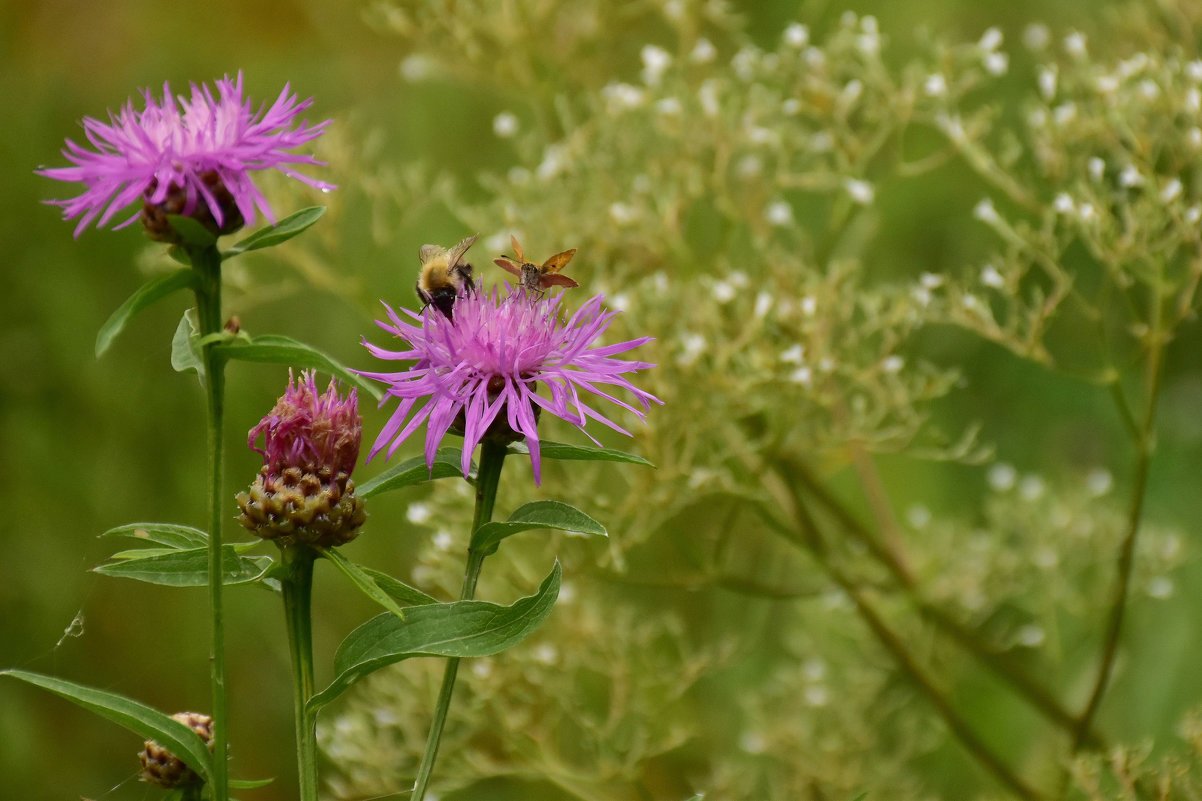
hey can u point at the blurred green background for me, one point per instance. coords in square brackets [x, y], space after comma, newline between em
[91, 444]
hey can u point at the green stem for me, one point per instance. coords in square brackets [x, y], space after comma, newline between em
[207, 263]
[492, 458]
[297, 561]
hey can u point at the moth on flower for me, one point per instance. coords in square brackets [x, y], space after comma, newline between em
[538, 277]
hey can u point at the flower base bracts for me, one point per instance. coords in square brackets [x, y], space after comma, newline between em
[296, 507]
[161, 767]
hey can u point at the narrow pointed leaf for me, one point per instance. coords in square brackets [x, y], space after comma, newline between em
[188, 568]
[587, 453]
[185, 352]
[413, 471]
[458, 629]
[282, 231]
[191, 232]
[169, 534]
[146, 295]
[142, 720]
[366, 584]
[539, 514]
[285, 350]
[398, 590]
[249, 784]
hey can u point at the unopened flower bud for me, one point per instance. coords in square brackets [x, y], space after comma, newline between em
[304, 492]
[161, 767]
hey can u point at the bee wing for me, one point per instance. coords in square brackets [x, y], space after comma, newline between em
[517, 249]
[558, 261]
[555, 279]
[456, 253]
[508, 265]
[429, 253]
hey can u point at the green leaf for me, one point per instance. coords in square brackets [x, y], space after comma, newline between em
[142, 720]
[539, 514]
[249, 784]
[285, 350]
[282, 231]
[362, 580]
[169, 534]
[191, 232]
[187, 568]
[458, 629]
[398, 590]
[586, 453]
[185, 352]
[146, 295]
[414, 471]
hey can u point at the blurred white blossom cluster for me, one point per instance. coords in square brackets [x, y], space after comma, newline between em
[764, 210]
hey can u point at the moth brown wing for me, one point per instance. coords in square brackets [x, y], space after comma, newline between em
[555, 279]
[455, 254]
[558, 261]
[517, 249]
[508, 265]
[428, 253]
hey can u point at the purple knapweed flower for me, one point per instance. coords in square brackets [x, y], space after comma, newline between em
[491, 359]
[189, 151]
[304, 493]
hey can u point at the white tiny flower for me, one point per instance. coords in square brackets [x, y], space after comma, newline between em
[753, 742]
[1074, 45]
[1193, 70]
[893, 364]
[723, 292]
[1002, 476]
[659, 281]
[852, 91]
[1087, 213]
[443, 540]
[1170, 191]
[990, 40]
[1063, 204]
[703, 52]
[813, 57]
[971, 303]
[1160, 587]
[990, 277]
[1036, 36]
[1031, 487]
[567, 593]
[546, 653]
[1064, 113]
[1149, 89]
[996, 64]
[952, 126]
[622, 213]
[1099, 482]
[692, 346]
[1193, 214]
[797, 35]
[707, 95]
[669, 106]
[416, 68]
[750, 166]
[505, 125]
[802, 375]
[779, 213]
[848, 19]
[790, 106]
[759, 135]
[985, 212]
[1194, 137]
[822, 142]
[1037, 118]
[869, 24]
[809, 305]
[1097, 168]
[656, 61]
[861, 192]
[619, 301]
[918, 516]
[816, 695]
[763, 304]
[795, 354]
[1133, 65]
[1130, 176]
[935, 85]
[1193, 99]
[869, 43]
[744, 62]
[1047, 82]
[552, 163]
[826, 364]
[418, 513]
[931, 280]
[1031, 635]
[922, 296]
[622, 96]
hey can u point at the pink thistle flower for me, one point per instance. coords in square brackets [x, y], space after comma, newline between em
[310, 431]
[492, 356]
[203, 147]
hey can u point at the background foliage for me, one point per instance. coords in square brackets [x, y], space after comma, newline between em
[697, 651]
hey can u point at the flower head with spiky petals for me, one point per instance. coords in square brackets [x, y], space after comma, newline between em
[310, 431]
[483, 368]
[199, 149]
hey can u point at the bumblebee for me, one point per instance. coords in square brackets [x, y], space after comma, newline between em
[444, 275]
[538, 277]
